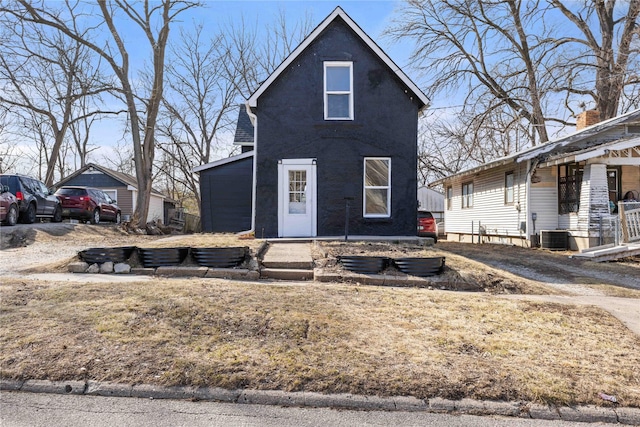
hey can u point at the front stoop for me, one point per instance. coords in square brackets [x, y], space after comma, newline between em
[287, 261]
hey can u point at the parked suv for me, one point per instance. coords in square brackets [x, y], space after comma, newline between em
[8, 206]
[427, 225]
[88, 204]
[34, 198]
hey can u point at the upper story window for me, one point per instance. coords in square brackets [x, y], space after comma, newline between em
[377, 187]
[508, 188]
[467, 195]
[338, 90]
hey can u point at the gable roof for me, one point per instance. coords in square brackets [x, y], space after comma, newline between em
[568, 148]
[244, 128]
[125, 178]
[338, 12]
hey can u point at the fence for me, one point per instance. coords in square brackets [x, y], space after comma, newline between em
[630, 221]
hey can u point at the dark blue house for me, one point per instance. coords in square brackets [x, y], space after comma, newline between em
[335, 124]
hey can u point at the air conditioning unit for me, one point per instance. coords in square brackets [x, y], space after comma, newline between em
[554, 240]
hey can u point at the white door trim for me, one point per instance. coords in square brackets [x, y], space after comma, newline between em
[311, 195]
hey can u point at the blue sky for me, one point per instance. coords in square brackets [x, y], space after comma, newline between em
[372, 16]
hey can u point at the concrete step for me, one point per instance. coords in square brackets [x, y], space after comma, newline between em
[286, 274]
[288, 256]
[299, 265]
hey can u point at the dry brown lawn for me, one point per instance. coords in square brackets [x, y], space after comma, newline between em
[315, 337]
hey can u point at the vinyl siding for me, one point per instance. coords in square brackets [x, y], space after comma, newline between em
[489, 206]
[544, 200]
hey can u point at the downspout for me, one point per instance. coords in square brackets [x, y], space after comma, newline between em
[531, 167]
[254, 122]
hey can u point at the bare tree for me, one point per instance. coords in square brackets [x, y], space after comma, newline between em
[206, 80]
[200, 94]
[608, 52]
[46, 74]
[516, 64]
[153, 19]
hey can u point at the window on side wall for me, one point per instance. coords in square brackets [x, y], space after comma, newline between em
[449, 197]
[467, 195]
[508, 188]
[377, 187]
[338, 90]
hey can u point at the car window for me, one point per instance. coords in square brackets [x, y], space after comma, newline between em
[30, 185]
[98, 196]
[71, 192]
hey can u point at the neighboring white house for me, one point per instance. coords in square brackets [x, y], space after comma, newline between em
[432, 201]
[562, 188]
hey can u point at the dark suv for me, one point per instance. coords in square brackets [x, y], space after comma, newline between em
[35, 200]
[88, 204]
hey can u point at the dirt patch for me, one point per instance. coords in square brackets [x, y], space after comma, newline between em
[460, 273]
[559, 270]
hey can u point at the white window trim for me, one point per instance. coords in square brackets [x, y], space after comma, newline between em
[328, 64]
[365, 188]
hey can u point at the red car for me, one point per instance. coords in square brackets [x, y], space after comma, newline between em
[88, 204]
[8, 206]
[427, 225]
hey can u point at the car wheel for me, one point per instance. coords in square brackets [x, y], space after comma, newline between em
[12, 215]
[118, 218]
[29, 216]
[57, 215]
[95, 217]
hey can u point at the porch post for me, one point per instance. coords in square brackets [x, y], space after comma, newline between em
[594, 197]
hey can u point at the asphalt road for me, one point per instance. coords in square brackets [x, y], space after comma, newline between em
[35, 410]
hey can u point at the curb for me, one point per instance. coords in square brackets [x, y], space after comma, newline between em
[585, 414]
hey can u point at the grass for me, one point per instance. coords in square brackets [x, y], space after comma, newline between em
[314, 337]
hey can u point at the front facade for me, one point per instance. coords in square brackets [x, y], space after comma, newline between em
[336, 124]
[120, 187]
[568, 189]
[335, 131]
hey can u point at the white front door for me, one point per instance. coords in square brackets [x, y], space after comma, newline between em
[297, 198]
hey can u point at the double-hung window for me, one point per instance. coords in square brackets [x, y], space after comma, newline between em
[467, 195]
[508, 188]
[338, 90]
[377, 187]
[449, 197]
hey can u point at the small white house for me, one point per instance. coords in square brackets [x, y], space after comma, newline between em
[561, 193]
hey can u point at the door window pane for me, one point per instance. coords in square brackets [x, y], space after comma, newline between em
[297, 191]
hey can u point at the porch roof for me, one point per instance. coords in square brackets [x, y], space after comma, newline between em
[607, 150]
[583, 141]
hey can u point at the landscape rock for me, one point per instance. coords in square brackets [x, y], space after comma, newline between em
[93, 268]
[122, 268]
[77, 267]
[106, 267]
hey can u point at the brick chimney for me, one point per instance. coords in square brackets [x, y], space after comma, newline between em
[587, 118]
